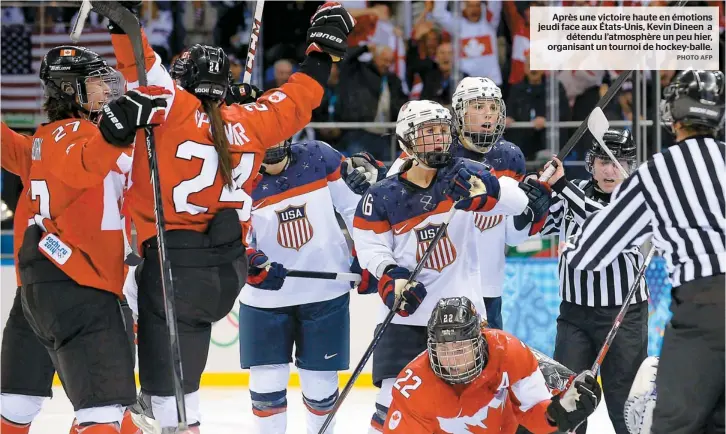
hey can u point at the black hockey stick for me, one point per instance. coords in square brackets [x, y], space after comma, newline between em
[128, 22]
[384, 325]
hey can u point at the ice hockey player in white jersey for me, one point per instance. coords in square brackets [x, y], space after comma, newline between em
[396, 221]
[479, 114]
[295, 227]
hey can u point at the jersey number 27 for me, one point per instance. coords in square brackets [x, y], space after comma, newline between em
[210, 164]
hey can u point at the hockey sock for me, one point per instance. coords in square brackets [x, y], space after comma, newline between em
[317, 412]
[270, 411]
[7, 427]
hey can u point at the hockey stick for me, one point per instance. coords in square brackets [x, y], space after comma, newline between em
[384, 325]
[572, 142]
[598, 124]
[619, 319]
[254, 38]
[348, 277]
[80, 21]
[128, 22]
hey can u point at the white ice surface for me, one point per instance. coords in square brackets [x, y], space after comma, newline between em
[228, 411]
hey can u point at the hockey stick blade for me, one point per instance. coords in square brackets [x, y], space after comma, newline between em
[80, 21]
[128, 22]
[598, 125]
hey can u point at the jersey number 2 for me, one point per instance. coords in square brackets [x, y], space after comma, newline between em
[404, 388]
[210, 164]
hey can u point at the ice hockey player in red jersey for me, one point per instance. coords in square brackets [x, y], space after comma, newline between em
[209, 155]
[478, 380]
[71, 258]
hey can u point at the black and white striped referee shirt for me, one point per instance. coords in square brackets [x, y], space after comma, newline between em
[606, 288]
[678, 196]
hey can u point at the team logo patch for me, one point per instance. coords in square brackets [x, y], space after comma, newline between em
[295, 229]
[484, 222]
[444, 252]
[394, 420]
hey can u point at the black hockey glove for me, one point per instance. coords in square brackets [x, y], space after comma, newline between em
[242, 94]
[139, 108]
[132, 6]
[573, 406]
[329, 28]
[539, 195]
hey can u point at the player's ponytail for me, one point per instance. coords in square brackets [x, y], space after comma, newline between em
[221, 144]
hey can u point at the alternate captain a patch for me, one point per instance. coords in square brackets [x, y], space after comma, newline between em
[484, 222]
[295, 229]
[444, 253]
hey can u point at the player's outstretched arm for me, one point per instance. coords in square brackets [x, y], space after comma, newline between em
[16, 151]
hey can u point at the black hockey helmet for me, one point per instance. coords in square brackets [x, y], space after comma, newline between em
[76, 75]
[621, 144]
[204, 71]
[278, 152]
[457, 350]
[695, 98]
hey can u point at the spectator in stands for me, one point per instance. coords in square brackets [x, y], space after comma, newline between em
[478, 32]
[435, 73]
[326, 111]
[527, 102]
[235, 68]
[369, 92]
[283, 69]
[158, 25]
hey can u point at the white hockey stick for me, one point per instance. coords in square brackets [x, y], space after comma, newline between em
[80, 21]
[254, 39]
[598, 124]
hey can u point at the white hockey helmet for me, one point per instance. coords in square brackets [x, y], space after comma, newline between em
[424, 129]
[480, 113]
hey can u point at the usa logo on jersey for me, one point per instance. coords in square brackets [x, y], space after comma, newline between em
[444, 252]
[295, 229]
[484, 222]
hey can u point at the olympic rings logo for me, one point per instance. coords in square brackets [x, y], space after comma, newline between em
[221, 336]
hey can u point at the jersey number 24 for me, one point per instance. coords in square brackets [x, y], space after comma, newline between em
[210, 164]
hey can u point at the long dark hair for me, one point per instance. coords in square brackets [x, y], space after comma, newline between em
[221, 144]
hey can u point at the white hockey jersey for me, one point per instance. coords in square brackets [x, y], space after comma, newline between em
[395, 223]
[294, 224]
[495, 229]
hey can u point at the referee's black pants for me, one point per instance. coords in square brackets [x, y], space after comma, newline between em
[581, 331]
[690, 380]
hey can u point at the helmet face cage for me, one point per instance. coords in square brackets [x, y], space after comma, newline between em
[99, 88]
[481, 121]
[277, 153]
[429, 142]
[457, 362]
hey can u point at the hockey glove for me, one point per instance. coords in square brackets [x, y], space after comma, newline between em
[329, 28]
[368, 283]
[361, 170]
[572, 407]
[139, 108]
[473, 191]
[539, 195]
[393, 285]
[242, 94]
[262, 273]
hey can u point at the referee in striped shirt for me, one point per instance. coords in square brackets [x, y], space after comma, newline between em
[592, 299]
[678, 197]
